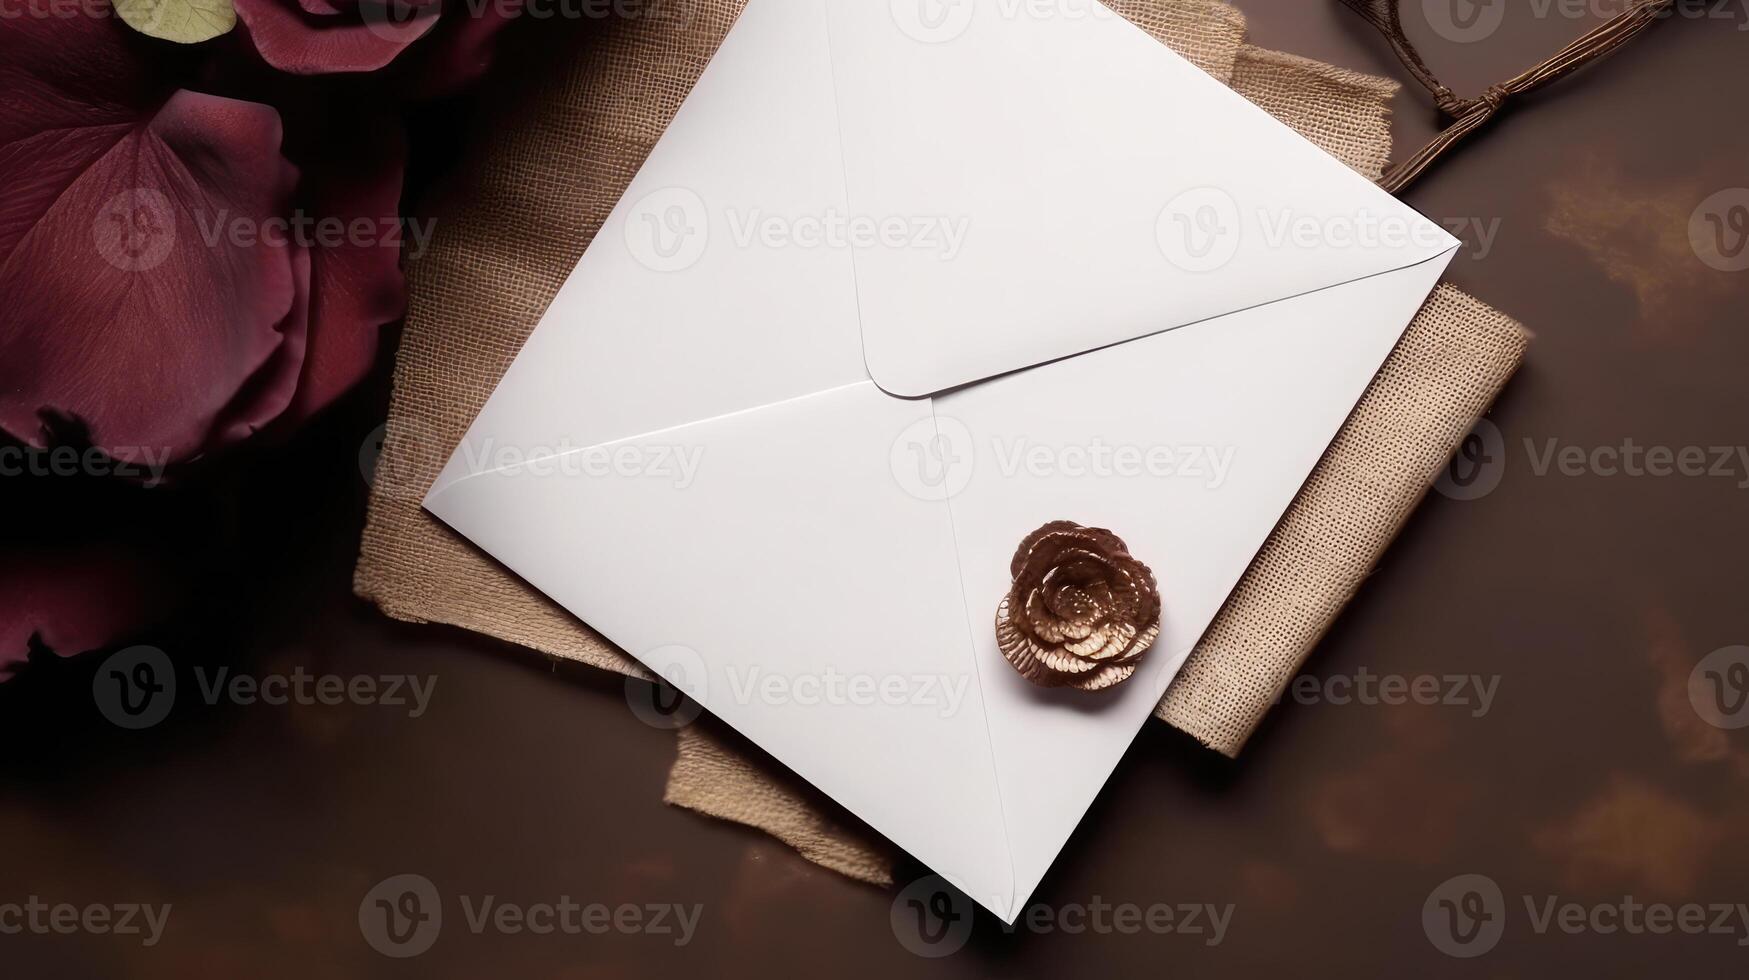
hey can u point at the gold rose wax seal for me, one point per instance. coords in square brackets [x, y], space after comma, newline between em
[1082, 609]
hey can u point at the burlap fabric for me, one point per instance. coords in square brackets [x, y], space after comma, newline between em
[544, 178]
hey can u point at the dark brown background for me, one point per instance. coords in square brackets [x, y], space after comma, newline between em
[1588, 598]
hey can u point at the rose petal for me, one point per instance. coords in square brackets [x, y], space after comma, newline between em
[357, 285]
[62, 82]
[71, 602]
[128, 306]
[269, 393]
[460, 50]
[363, 39]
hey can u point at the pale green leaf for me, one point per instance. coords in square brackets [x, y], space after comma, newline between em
[182, 21]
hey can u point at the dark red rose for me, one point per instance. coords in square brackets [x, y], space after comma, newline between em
[165, 283]
[451, 38]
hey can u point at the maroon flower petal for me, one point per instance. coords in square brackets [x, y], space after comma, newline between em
[71, 601]
[266, 396]
[292, 39]
[62, 82]
[132, 302]
[462, 47]
[356, 285]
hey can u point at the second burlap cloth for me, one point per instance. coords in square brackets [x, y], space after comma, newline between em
[544, 178]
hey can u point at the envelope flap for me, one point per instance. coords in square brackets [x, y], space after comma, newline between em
[1028, 182]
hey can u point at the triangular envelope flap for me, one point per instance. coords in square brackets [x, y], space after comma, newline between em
[1208, 433]
[1040, 180]
[674, 314]
[792, 585]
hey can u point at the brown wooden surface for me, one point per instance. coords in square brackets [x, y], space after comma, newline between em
[1585, 597]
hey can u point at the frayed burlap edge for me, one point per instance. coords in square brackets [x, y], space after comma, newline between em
[719, 781]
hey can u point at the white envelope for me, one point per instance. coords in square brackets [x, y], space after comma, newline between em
[901, 283]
